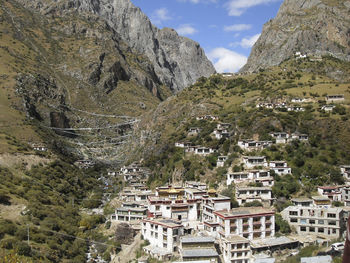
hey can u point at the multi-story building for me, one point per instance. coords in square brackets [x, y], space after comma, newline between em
[302, 202]
[212, 204]
[321, 201]
[130, 195]
[196, 248]
[316, 221]
[235, 249]
[248, 222]
[262, 176]
[345, 195]
[250, 194]
[130, 212]
[181, 209]
[334, 193]
[254, 161]
[280, 167]
[163, 234]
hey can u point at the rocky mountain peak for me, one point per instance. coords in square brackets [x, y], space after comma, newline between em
[178, 61]
[312, 27]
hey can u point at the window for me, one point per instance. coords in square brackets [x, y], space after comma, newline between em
[321, 230]
[334, 231]
[175, 232]
[303, 221]
[332, 223]
[311, 229]
[311, 221]
[329, 215]
[294, 220]
[321, 222]
[303, 229]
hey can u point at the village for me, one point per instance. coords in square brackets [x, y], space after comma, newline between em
[189, 221]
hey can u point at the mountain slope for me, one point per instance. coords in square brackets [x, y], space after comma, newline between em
[178, 61]
[73, 74]
[313, 27]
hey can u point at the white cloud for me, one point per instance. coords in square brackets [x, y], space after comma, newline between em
[226, 60]
[250, 41]
[237, 27]
[186, 29]
[238, 7]
[160, 15]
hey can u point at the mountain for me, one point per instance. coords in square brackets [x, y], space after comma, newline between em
[85, 70]
[312, 27]
[178, 61]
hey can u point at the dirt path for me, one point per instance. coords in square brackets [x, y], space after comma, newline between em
[128, 252]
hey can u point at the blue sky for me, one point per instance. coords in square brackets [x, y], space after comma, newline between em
[226, 29]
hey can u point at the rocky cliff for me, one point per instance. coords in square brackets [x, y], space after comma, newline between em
[177, 61]
[312, 27]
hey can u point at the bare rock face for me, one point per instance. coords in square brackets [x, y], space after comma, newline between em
[178, 61]
[312, 27]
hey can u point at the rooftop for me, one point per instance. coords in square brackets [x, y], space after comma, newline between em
[165, 222]
[245, 211]
[253, 188]
[190, 253]
[321, 259]
[273, 241]
[320, 198]
[193, 239]
[301, 199]
[236, 239]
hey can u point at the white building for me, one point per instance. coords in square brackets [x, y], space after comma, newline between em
[281, 137]
[295, 108]
[300, 137]
[327, 108]
[262, 176]
[196, 248]
[248, 222]
[221, 161]
[183, 210]
[221, 133]
[298, 100]
[39, 147]
[280, 167]
[334, 193]
[133, 168]
[345, 171]
[251, 145]
[197, 185]
[302, 202]
[207, 117]
[194, 131]
[204, 151]
[335, 98]
[130, 212]
[346, 195]
[163, 234]
[235, 249]
[315, 221]
[212, 204]
[183, 144]
[254, 161]
[250, 194]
